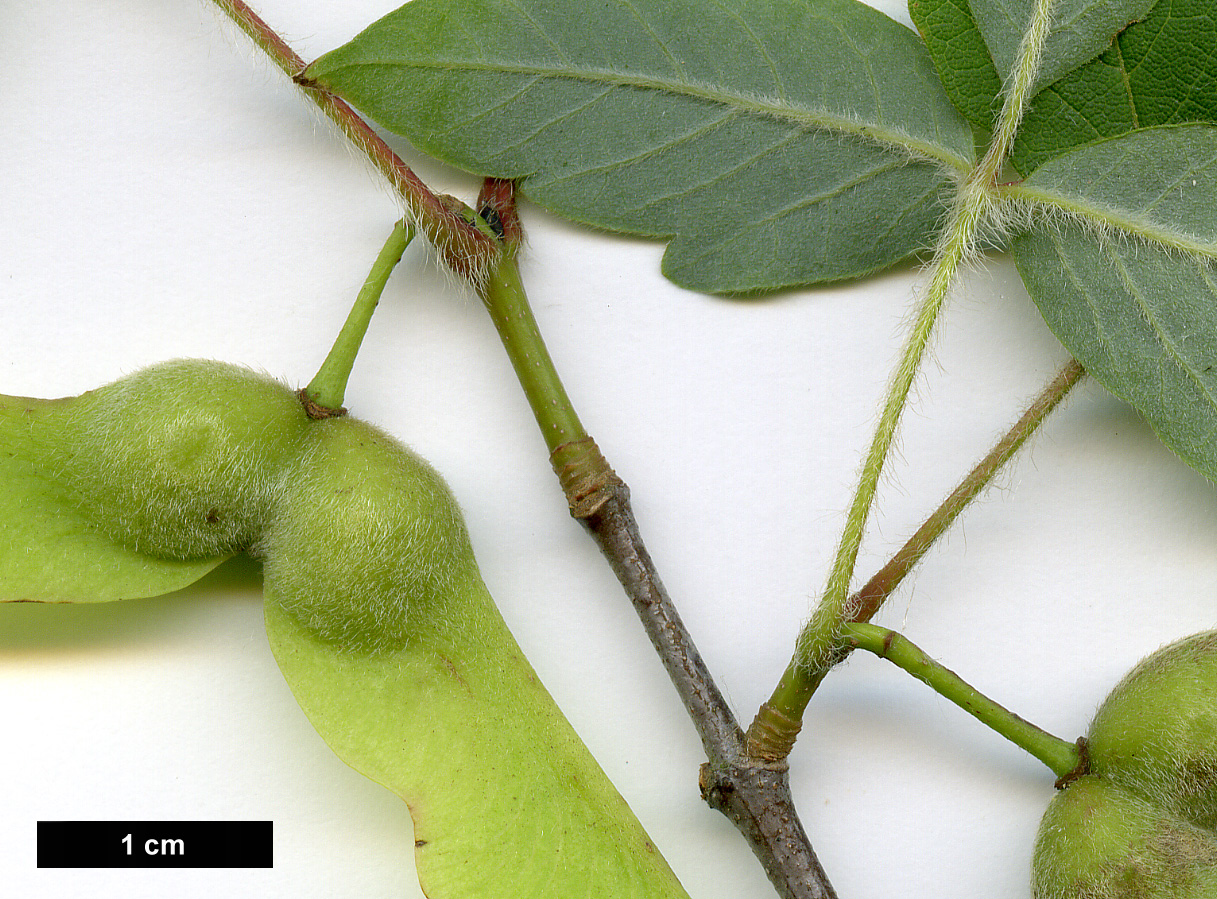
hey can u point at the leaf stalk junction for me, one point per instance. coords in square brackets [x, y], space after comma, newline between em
[820, 644]
[463, 247]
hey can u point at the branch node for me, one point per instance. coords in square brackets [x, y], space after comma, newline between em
[772, 734]
[755, 797]
[585, 475]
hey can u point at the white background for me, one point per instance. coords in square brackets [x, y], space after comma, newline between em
[165, 193]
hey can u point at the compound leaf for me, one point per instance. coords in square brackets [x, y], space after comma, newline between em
[777, 142]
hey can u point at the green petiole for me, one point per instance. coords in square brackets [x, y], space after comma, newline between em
[324, 394]
[1064, 759]
[867, 601]
[585, 475]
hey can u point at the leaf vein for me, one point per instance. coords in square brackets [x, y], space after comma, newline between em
[835, 191]
[719, 176]
[540, 29]
[1160, 334]
[490, 110]
[675, 141]
[1102, 338]
[778, 82]
[770, 107]
[562, 116]
[1127, 82]
[659, 42]
[803, 202]
[1116, 218]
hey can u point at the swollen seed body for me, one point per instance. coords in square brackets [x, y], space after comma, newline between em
[375, 610]
[1099, 841]
[180, 460]
[365, 535]
[1143, 823]
[1156, 733]
[389, 640]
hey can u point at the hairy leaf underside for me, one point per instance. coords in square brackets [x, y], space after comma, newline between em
[784, 142]
[776, 142]
[1122, 267]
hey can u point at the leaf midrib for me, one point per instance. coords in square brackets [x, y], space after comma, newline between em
[1112, 217]
[806, 116]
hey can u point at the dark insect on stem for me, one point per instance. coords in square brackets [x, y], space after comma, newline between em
[490, 215]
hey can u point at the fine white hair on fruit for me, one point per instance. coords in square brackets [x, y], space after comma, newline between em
[182, 459]
[1099, 841]
[1156, 733]
[199, 459]
[365, 536]
[1143, 823]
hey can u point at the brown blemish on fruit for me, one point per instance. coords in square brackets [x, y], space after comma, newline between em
[315, 410]
[1080, 770]
[456, 674]
[1198, 789]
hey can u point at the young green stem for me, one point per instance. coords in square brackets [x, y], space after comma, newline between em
[324, 395]
[754, 796]
[463, 247]
[503, 294]
[1064, 759]
[819, 644]
[586, 478]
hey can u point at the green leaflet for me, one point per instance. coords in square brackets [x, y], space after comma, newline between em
[776, 142]
[1161, 71]
[1128, 281]
[1158, 184]
[72, 561]
[1141, 321]
[961, 58]
[506, 800]
[1081, 30]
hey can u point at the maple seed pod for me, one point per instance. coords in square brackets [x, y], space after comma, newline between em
[182, 459]
[365, 535]
[1156, 733]
[1099, 841]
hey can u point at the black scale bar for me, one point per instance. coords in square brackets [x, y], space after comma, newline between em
[155, 844]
